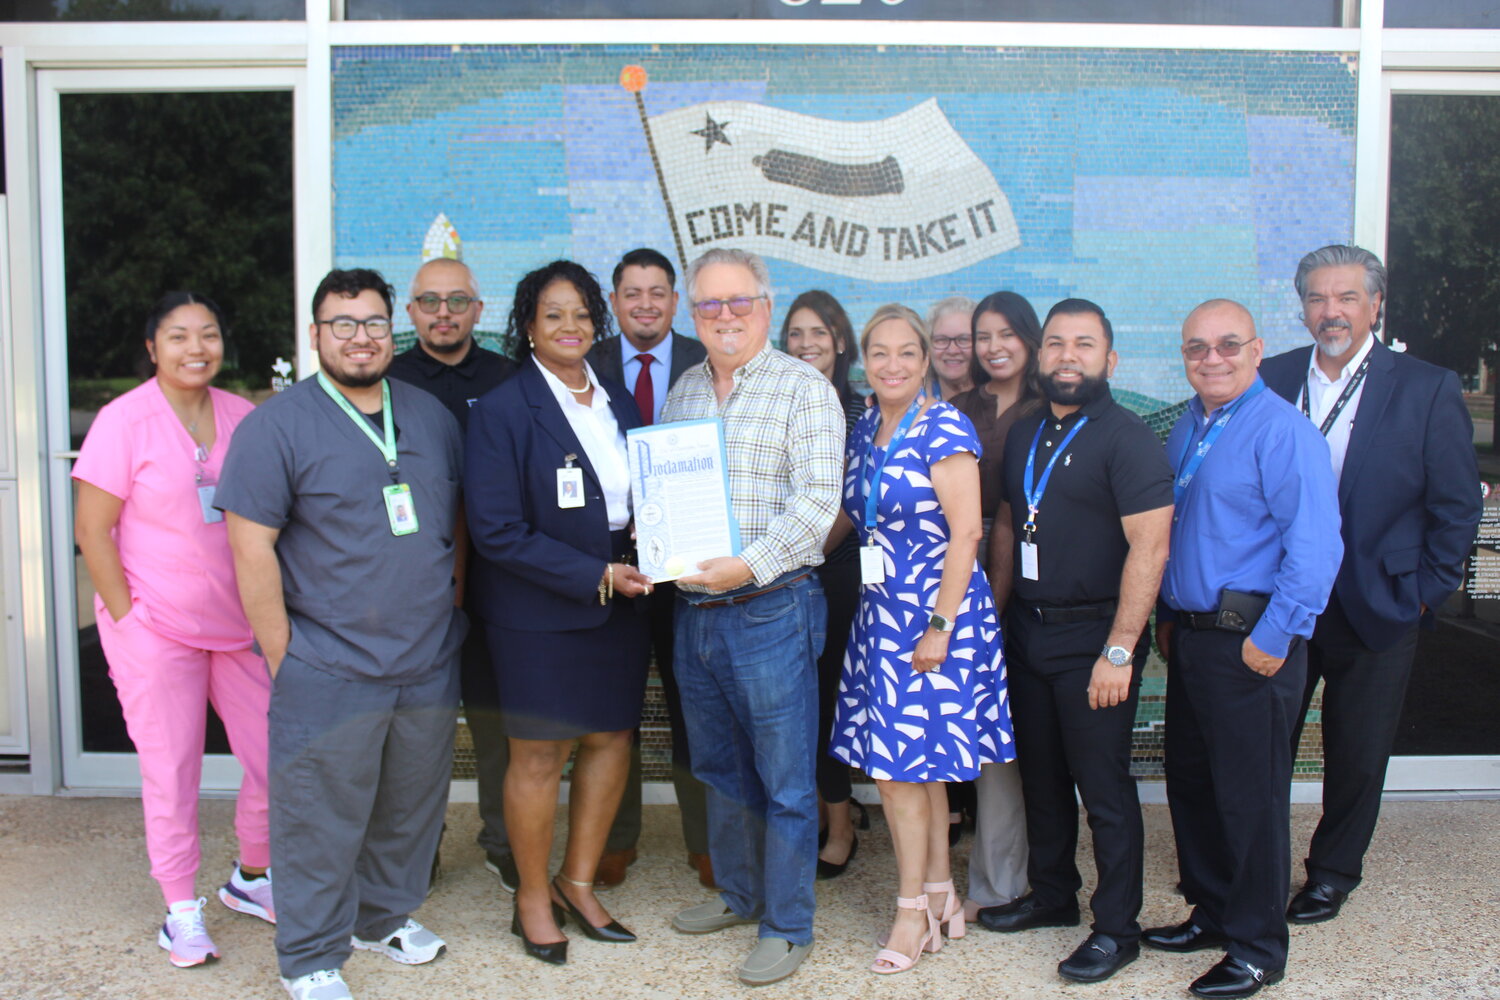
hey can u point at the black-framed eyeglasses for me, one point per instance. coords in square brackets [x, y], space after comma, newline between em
[962, 342]
[740, 305]
[345, 327]
[458, 303]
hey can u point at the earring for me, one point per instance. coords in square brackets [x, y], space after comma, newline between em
[531, 343]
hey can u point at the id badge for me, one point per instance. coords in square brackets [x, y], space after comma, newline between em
[570, 487]
[211, 514]
[871, 564]
[400, 509]
[1028, 561]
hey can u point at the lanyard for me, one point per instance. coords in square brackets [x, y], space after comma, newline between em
[1341, 402]
[1185, 475]
[388, 446]
[1034, 493]
[872, 485]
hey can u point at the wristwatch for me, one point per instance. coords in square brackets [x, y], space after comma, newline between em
[940, 624]
[1117, 655]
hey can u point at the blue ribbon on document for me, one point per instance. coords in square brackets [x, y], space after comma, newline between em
[1034, 494]
[1186, 473]
[872, 493]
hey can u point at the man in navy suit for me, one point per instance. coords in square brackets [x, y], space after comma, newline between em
[1402, 445]
[648, 358]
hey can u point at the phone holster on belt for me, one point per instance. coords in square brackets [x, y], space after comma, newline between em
[1240, 610]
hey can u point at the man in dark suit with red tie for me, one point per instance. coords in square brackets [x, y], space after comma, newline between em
[1402, 446]
[648, 358]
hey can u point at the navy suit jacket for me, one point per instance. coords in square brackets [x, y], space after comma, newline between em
[605, 356]
[1409, 491]
[539, 564]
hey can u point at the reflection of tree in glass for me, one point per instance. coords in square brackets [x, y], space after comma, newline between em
[1444, 252]
[177, 191]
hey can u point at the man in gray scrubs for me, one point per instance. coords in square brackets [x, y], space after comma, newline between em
[341, 495]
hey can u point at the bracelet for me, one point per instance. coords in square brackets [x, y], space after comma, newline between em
[608, 571]
[610, 576]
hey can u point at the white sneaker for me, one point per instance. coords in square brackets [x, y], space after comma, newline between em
[185, 938]
[326, 984]
[411, 944]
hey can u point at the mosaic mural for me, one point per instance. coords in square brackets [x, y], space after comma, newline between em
[1147, 181]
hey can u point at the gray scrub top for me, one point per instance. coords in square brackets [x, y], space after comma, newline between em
[363, 603]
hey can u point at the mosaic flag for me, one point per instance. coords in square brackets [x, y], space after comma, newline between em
[900, 199]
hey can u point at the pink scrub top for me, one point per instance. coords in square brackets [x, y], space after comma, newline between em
[178, 568]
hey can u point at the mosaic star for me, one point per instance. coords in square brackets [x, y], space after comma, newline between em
[712, 132]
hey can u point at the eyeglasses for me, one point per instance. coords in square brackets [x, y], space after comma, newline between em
[963, 342]
[740, 305]
[1197, 351]
[458, 303]
[344, 327]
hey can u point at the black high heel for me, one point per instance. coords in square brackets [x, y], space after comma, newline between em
[555, 953]
[612, 931]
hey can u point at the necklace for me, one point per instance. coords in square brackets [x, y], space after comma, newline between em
[587, 385]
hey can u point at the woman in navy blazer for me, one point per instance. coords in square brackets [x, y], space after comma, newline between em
[548, 497]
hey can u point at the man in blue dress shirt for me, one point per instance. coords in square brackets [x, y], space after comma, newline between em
[1255, 549]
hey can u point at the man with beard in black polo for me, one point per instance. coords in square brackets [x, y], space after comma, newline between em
[1078, 548]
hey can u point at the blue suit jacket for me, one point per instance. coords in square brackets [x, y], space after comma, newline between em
[1409, 491]
[539, 564]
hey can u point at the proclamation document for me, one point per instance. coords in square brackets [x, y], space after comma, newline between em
[680, 488]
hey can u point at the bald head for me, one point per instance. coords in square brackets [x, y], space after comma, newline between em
[1220, 351]
[445, 332]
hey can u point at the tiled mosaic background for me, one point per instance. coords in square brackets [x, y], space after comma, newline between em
[1147, 181]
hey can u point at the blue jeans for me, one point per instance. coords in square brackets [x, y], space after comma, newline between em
[748, 677]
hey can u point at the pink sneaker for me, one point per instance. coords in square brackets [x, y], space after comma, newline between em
[249, 896]
[185, 938]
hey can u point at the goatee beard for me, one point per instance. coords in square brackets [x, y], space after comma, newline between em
[452, 348]
[1088, 389]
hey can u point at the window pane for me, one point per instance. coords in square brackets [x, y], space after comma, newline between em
[1445, 174]
[153, 10]
[1309, 13]
[1448, 14]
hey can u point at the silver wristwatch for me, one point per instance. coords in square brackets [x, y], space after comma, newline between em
[940, 624]
[1117, 655]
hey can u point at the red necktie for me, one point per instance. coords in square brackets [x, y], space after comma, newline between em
[645, 399]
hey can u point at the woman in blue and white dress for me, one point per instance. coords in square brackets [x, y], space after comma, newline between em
[922, 700]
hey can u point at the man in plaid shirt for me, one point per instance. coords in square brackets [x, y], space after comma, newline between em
[750, 626]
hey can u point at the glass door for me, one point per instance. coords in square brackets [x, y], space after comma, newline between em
[151, 181]
[1444, 217]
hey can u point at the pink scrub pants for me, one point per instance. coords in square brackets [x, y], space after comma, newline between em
[164, 689]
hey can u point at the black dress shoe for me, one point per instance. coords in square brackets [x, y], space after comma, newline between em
[1099, 957]
[613, 931]
[830, 869]
[555, 953]
[1232, 978]
[1315, 903]
[504, 866]
[1025, 913]
[1186, 936]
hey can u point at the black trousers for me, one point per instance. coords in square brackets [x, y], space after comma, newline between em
[1229, 772]
[841, 590]
[1363, 691]
[691, 800]
[1062, 743]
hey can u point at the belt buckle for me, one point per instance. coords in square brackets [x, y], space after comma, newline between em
[1036, 613]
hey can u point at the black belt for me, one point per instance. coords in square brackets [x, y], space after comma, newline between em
[1065, 616]
[741, 599]
[1198, 621]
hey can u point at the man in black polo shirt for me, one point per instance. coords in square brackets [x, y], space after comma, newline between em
[1078, 547]
[446, 362]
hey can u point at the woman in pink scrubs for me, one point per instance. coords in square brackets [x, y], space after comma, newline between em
[168, 609]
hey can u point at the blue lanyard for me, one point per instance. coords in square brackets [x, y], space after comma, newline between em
[1185, 474]
[1034, 494]
[872, 484]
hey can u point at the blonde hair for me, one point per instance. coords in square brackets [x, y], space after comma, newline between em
[895, 310]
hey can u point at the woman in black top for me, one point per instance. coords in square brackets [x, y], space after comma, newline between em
[818, 331]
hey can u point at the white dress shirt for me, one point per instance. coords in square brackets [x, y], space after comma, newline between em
[603, 442]
[661, 370]
[1321, 393]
